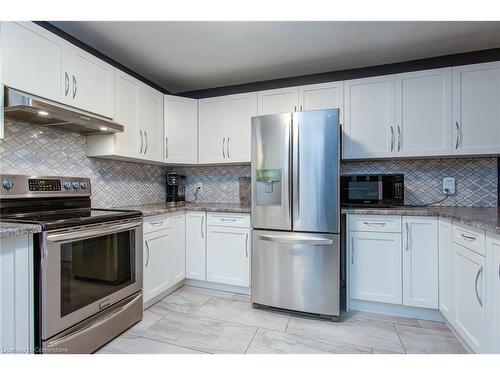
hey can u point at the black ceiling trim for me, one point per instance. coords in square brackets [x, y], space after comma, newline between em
[55, 30]
[341, 75]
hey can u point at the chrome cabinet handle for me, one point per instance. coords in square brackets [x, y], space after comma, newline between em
[146, 139]
[295, 108]
[392, 138]
[246, 245]
[166, 147]
[468, 238]
[407, 236]
[352, 250]
[230, 220]
[399, 138]
[147, 259]
[301, 108]
[142, 141]
[201, 226]
[74, 87]
[66, 84]
[458, 135]
[373, 223]
[227, 148]
[475, 286]
[156, 223]
[224, 147]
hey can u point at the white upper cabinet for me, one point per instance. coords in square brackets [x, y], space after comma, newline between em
[88, 82]
[181, 130]
[278, 101]
[420, 262]
[224, 128]
[31, 59]
[152, 123]
[322, 96]
[476, 113]
[423, 113]
[127, 113]
[369, 118]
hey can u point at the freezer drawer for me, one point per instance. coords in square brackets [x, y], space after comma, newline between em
[296, 271]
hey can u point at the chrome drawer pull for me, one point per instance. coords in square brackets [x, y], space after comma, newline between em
[230, 220]
[156, 222]
[372, 223]
[468, 238]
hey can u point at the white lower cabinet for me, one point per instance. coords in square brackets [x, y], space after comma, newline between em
[445, 269]
[375, 266]
[228, 254]
[16, 295]
[468, 286]
[493, 286]
[420, 262]
[196, 245]
[163, 254]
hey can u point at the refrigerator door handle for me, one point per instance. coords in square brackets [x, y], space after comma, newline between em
[296, 240]
[296, 171]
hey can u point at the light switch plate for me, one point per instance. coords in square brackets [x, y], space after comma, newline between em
[449, 184]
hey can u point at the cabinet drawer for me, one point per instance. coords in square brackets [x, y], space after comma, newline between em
[470, 238]
[375, 223]
[228, 219]
[158, 222]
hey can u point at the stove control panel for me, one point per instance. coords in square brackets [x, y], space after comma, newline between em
[16, 186]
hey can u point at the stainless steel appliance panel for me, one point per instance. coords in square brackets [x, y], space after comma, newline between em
[296, 271]
[69, 296]
[271, 206]
[315, 181]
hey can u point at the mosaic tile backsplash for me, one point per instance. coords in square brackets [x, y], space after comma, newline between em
[29, 149]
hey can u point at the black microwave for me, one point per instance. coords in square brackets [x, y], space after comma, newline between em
[374, 190]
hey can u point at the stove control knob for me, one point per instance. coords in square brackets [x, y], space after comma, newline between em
[83, 185]
[8, 184]
[67, 185]
[76, 185]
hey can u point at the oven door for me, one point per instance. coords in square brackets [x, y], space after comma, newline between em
[87, 269]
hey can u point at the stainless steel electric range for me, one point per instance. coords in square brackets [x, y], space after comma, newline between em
[88, 262]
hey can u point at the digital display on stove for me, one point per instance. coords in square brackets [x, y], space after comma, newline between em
[44, 185]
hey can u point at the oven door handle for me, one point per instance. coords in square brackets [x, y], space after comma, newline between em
[94, 232]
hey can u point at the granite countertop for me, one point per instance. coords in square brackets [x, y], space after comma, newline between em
[17, 229]
[487, 218]
[162, 208]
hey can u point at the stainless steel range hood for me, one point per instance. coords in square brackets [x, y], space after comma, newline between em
[28, 108]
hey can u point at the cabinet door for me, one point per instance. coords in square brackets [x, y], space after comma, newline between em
[468, 287]
[423, 123]
[156, 263]
[31, 59]
[212, 124]
[445, 269]
[375, 266]
[493, 284]
[127, 113]
[177, 250]
[196, 245]
[90, 80]
[476, 118]
[181, 130]
[369, 118]
[241, 108]
[420, 262]
[152, 123]
[278, 101]
[228, 252]
[322, 96]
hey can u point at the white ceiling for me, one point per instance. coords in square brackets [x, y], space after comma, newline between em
[183, 56]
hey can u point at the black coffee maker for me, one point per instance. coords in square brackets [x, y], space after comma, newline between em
[176, 187]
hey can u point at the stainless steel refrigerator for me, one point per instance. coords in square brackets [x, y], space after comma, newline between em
[296, 212]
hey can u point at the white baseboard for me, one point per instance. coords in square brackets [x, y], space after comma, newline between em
[397, 310]
[217, 286]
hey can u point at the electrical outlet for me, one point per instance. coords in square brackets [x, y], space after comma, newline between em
[449, 184]
[199, 186]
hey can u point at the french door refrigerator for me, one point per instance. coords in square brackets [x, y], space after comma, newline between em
[296, 212]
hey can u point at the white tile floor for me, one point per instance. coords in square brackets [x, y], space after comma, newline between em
[196, 320]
